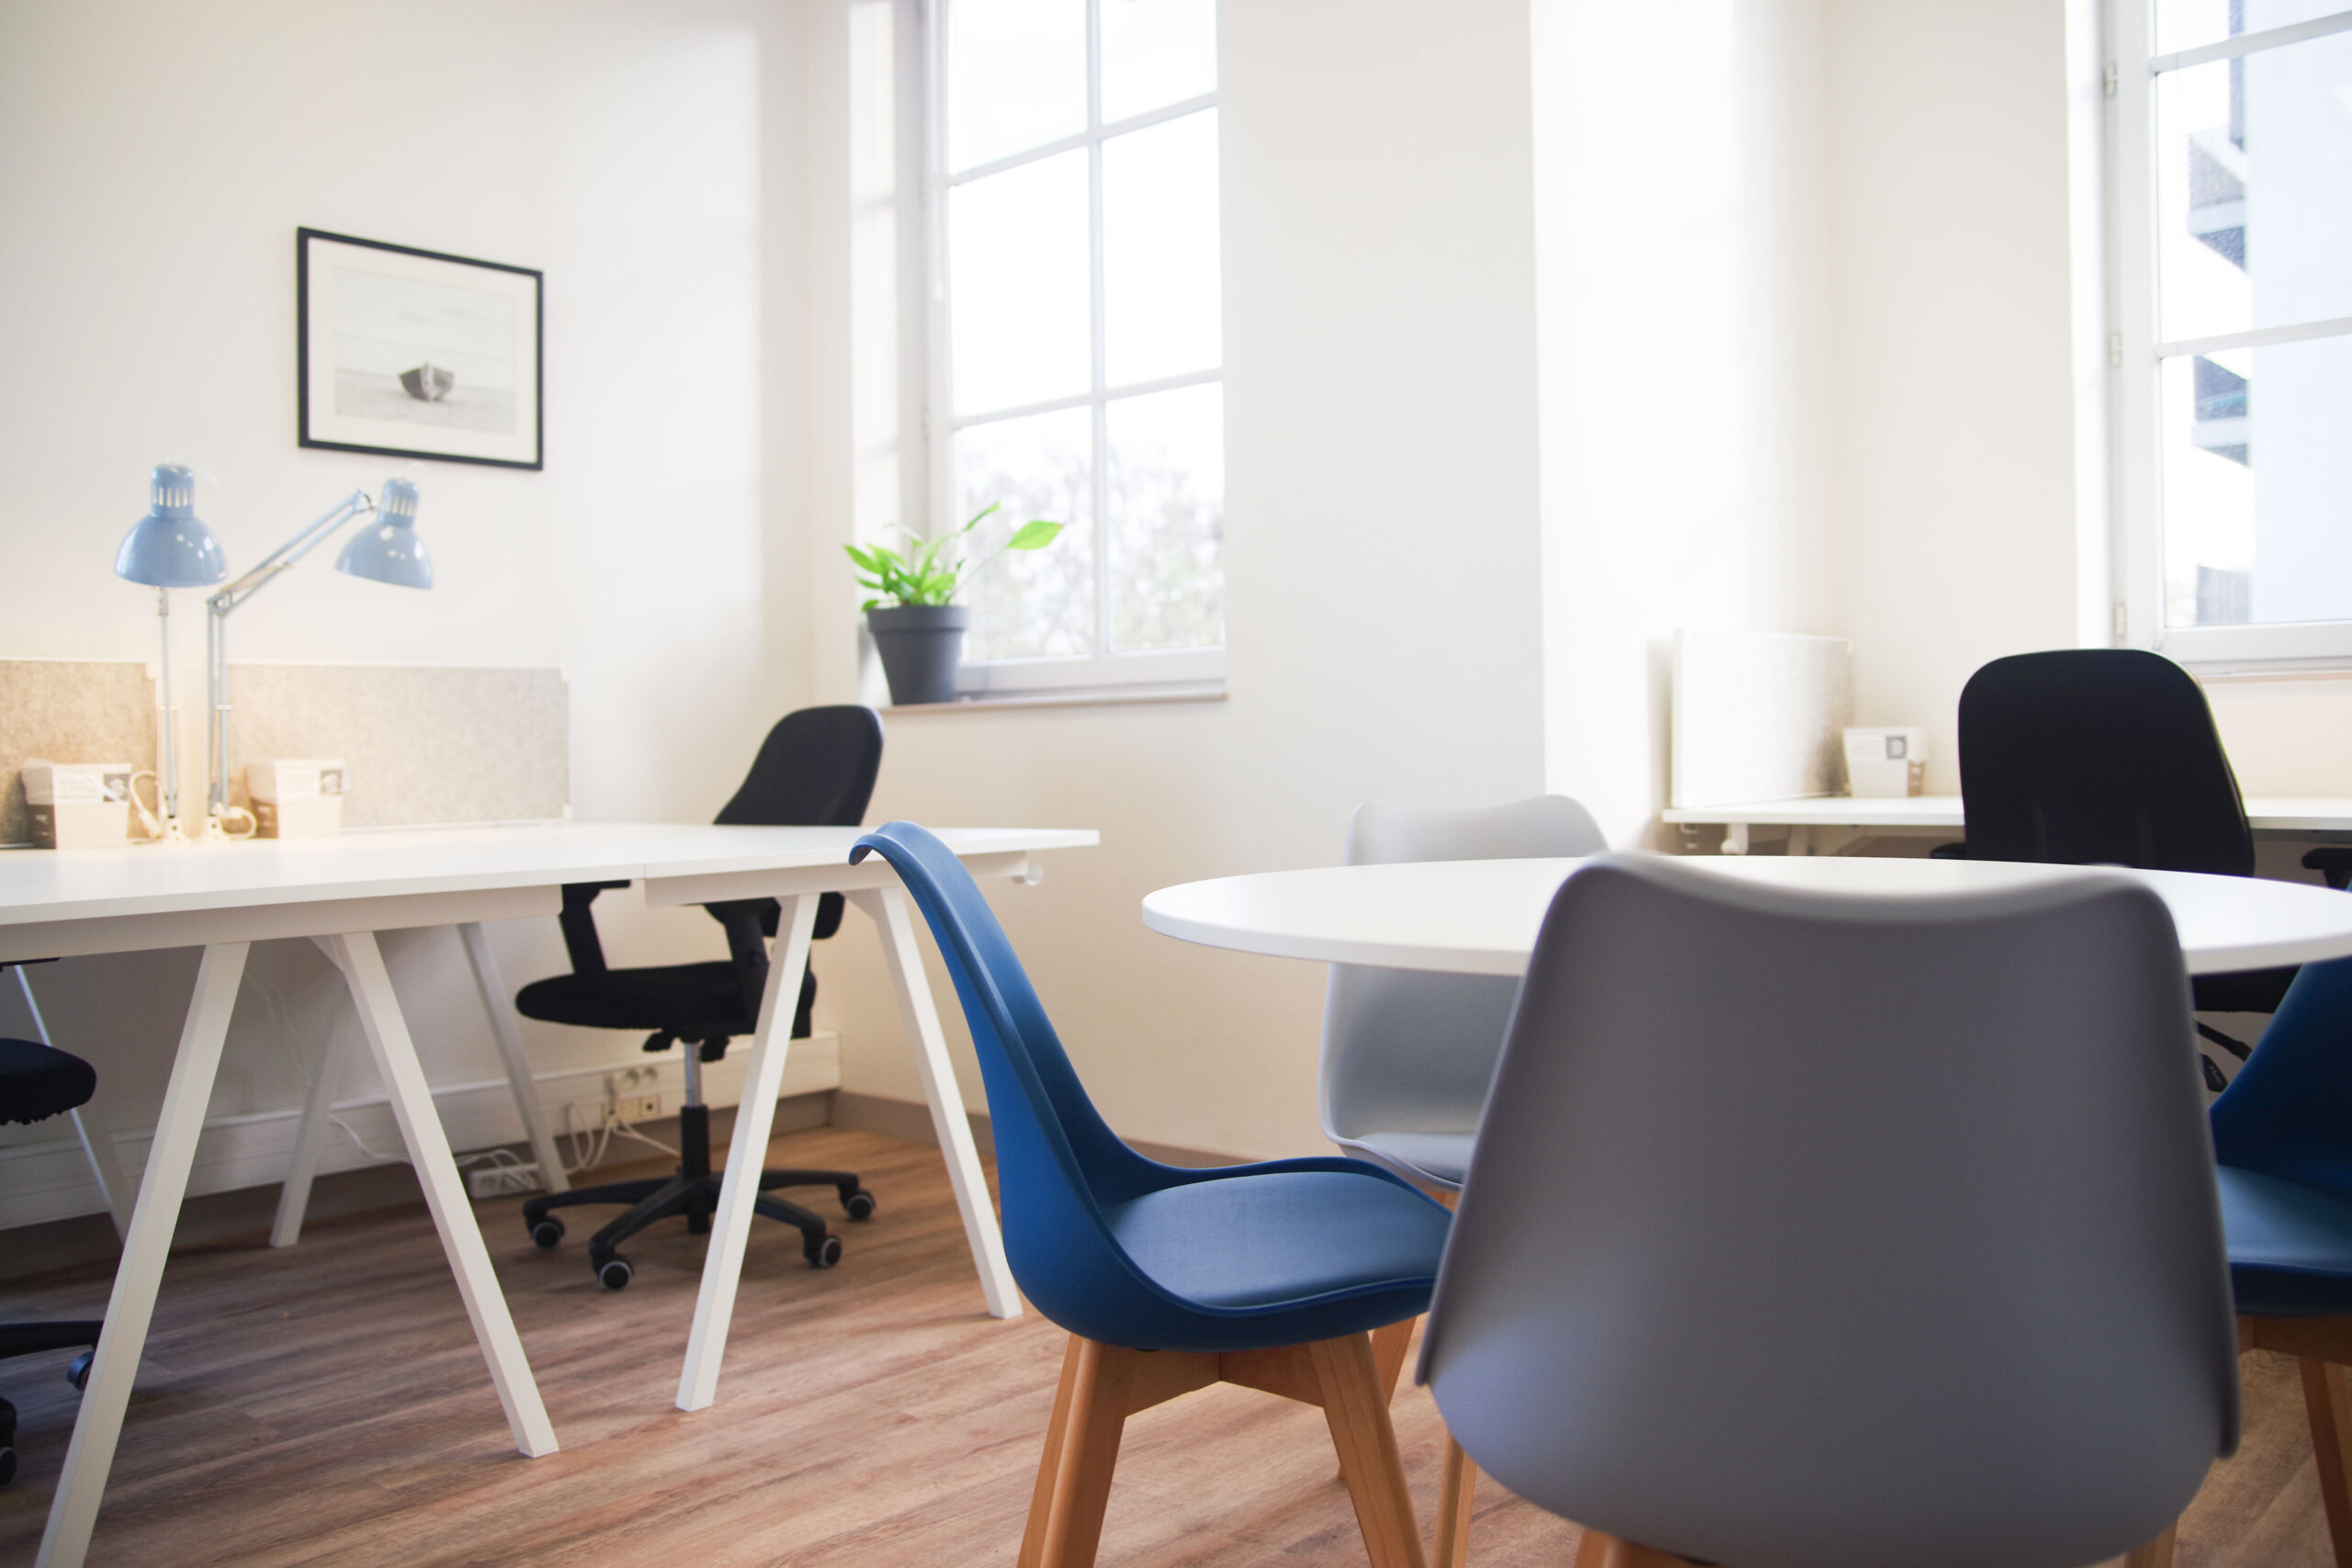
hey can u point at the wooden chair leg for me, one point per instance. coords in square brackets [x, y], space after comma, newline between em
[1389, 1343]
[1081, 1451]
[1355, 1406]
[1457, 1483]
[2327, 1402]
[1600, 1551]
[2158, 1554]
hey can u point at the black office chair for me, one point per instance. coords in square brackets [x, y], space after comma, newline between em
[815, 769]
[2108, 756]
[37, 1082]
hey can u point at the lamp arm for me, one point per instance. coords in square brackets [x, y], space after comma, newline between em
[216, 639]
[280, 560]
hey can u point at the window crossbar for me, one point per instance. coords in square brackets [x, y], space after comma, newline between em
[1081, 399]
[2250, 43]
[1076, 140]
[2260, 337]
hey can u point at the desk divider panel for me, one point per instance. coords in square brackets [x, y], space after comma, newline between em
[71, 710]
[424, 744]
[1760, 717]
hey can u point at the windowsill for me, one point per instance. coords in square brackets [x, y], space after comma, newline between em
[1095, 696]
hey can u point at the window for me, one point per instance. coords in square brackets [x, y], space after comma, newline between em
[1076, 347]
[2231, 168]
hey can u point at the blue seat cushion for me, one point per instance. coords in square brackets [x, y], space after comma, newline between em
[2291, 1246]
[1283, 1238]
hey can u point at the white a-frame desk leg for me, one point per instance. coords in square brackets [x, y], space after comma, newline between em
[500, 1006]
[429, 1150]
[309, 1142]
[747, 1150]
[74, 1510]
[948, 1121]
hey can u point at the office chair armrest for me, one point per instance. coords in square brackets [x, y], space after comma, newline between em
[746, 946]
[579, 923]
[2333, 862]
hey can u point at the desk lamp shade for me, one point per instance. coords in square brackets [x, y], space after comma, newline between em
[388, 549]
[171, 548]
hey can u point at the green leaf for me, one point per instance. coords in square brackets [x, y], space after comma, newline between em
[978, 516]
[868, 605]
[1033, 534]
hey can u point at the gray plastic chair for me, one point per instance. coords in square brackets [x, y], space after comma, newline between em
[1407, 1055]
[1766, 1258]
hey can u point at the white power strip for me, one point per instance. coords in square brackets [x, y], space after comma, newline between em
[504, 1180]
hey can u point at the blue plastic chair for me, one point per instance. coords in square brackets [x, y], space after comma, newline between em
[2281, 1134]
[1169, 1279]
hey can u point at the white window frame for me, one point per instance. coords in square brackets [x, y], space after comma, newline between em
[2136, 356]
[1102, 669]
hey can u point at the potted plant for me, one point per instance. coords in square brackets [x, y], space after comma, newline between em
[918, 629]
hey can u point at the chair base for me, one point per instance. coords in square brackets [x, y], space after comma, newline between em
[1102, 1385]
[693, 1191]
[23, 1339]
[1599, 1551]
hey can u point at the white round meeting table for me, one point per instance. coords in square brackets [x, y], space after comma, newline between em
[1480, 917]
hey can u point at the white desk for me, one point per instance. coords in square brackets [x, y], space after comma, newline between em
[340, 892]
[1480, 917]
[1812, 821]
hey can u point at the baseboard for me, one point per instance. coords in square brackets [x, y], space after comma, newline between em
[909, 1120]
[52, 1180]
[242, 1217]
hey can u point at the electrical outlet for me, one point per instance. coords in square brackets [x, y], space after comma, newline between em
[502, 1181]
[638, 1106]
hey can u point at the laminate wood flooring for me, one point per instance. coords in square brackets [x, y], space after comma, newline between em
[325, 1405]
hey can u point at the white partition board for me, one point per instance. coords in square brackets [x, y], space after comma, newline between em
[1759, 715]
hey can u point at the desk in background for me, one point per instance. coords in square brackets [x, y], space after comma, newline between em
[1832, 824]
[340, 892]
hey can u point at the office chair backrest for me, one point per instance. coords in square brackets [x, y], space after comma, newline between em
[815, 769]
[1766, 1258]
[2097, 756]
[2283, 1115]
[1059, 1164]
[1405, 1051]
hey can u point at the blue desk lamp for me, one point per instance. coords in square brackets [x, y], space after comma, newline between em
[387, 550]
[170, 547]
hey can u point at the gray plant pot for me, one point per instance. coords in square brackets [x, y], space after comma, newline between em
[920, 646]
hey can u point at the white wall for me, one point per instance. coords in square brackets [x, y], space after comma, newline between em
[1682, 306]
[1380, 568]
[155, 160]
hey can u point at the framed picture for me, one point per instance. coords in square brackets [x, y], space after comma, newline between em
[414, 354]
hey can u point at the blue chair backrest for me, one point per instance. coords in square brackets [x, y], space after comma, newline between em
[2283, 1115]
[1059, 1164]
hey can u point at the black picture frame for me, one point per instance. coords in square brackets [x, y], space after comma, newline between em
[355, 321]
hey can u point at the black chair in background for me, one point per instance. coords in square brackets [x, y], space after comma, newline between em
[37, 1082]
[815, 770]
[2108, 756]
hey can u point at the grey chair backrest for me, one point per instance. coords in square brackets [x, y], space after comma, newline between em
[1406, 1050]
[1813, 1231]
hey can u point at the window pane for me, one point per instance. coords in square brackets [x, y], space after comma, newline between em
[1018, 279]
[1030, 603]
[2254, 190]
[2258, 485]
[2185, 24]
[1156, 52]
[1161, 298]
[1167, 502]
[1017, 76]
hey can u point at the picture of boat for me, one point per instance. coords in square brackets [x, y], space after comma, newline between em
[428, 383]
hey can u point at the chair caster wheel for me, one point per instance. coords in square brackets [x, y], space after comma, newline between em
[615, 1275]
[823, 1253]
[546, 1233]
[77, 1370]
[859, 1206]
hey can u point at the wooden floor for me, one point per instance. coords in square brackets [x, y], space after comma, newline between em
[325, 1405]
